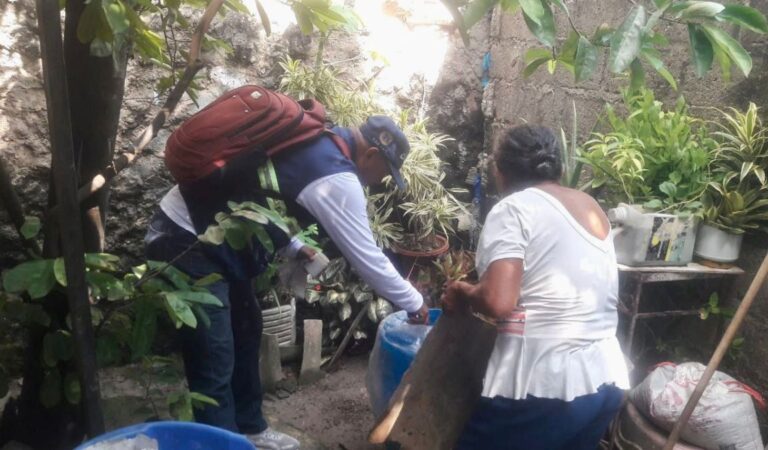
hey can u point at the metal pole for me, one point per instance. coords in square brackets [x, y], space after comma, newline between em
[70, 228]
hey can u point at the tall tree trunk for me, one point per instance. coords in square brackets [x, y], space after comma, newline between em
[96, 87]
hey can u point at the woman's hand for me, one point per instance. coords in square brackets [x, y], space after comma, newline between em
[306, 253]
[454, 298]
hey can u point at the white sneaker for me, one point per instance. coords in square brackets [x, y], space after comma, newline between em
[270, 439]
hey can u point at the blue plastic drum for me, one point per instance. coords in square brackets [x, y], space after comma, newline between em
[177, 436]
[397, 343]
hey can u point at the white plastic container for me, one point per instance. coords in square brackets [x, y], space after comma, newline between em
[651, 239]
[717, 245]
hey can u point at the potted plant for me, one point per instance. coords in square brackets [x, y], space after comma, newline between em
[736, 200]
[656, 160]
[655, 157]
[417, 223]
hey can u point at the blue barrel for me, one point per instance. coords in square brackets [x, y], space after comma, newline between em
[178, 436]
[397, 343]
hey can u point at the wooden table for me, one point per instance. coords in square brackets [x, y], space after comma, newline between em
[629, 302]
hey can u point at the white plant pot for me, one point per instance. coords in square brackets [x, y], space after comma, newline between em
[717, 245]
[281, 321]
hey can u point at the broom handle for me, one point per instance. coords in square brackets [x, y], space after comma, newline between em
[717, 357]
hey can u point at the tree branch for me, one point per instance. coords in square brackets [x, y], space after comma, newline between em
[194, 64]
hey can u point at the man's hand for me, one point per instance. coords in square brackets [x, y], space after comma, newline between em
[420, 317]
[306, 253]
[454, 299]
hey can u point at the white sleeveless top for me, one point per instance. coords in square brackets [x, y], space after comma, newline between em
[561, 342]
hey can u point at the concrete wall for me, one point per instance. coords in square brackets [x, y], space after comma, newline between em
[547, 99]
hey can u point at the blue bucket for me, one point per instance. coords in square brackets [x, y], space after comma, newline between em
[178, 436]
[397, 343]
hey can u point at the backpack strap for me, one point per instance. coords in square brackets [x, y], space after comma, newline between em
[340, 143]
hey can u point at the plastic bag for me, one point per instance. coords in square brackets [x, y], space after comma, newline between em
[397, 343]
[139, 442]
[724, 418]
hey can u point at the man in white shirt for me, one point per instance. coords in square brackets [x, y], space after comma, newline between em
[319, 183]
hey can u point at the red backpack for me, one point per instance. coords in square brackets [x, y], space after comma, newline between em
[243, 120]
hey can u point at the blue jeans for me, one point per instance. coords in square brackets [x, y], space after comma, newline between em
[220, 361]
[541, 423]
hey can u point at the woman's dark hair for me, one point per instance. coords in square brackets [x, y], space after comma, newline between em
[529, 154]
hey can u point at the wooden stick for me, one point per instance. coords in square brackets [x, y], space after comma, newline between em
[194, 64]
[70, 226]
[348, 336]
[717, 357]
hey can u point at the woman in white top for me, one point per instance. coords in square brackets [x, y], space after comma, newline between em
[548, 276]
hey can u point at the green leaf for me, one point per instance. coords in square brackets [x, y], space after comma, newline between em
[551, 66]
[510, 6]
[202, 298]
[59, 271]
[263, 237]
[31, 227]
[476, 11]
[208, 280]
[34, 277]
[627, 40]
[746, 17]
[102, 261]
[586, 60]
[236, 235]
[198, 400]
[636, 76]
[731, 47]
[90, 21]
[201, 315]
[303, 18]
[535, 10]
[724, 61]
[653, 59]
[213, 235]
[701, 49]
[115, 13]
[72, 391]
[700, 10]
[50, 390]
[180, 406]
[531, 68]
[560, 4]
[653, 205]
[179, 311]
[177, 277]
[544, 28]
[264, 18]
[252, 216]
[668, 188]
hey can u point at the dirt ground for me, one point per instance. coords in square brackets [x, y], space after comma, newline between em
[334, 412]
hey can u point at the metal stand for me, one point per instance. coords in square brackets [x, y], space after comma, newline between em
[637, 277]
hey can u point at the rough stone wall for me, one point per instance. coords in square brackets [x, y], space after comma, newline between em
[455, 104]
[547, 99]
[135, 192]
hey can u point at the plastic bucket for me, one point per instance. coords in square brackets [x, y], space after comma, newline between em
[397, 343]
[177, 436]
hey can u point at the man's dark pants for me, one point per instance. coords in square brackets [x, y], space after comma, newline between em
[221, 361]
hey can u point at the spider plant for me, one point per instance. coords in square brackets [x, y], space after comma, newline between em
[736, 200]
[428, 208]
